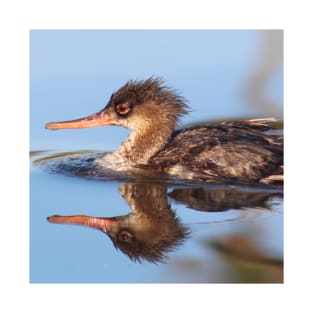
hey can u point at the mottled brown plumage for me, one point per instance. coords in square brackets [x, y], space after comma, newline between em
[229, 150]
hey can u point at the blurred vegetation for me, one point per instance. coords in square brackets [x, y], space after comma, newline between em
[240, 260]
[249, 263]
[268, 63]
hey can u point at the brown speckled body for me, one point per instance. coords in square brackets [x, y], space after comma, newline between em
[228, 150]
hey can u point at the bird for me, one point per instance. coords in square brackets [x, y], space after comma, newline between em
[235, 150]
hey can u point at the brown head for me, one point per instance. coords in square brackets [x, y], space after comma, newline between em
[135, 105]
[138, 236]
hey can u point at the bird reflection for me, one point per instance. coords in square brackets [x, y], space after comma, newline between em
[152, 229]
[202, 199]
[149, 232]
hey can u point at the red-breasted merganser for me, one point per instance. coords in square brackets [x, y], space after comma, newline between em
[227, 150]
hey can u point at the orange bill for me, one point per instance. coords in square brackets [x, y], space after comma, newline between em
[101, 223]
[98, 119]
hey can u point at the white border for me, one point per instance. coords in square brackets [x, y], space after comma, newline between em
[18, 17]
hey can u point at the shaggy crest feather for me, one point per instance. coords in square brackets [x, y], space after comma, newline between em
[138, 92]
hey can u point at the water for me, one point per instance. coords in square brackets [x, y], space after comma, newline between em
[151, 229]
[62, 253]
[224, 233]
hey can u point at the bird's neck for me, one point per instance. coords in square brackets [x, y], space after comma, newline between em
[142, 144]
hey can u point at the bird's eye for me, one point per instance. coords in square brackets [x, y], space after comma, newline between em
[124, 236]
[122, 108]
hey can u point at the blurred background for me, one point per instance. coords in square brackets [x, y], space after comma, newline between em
[223, 74]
